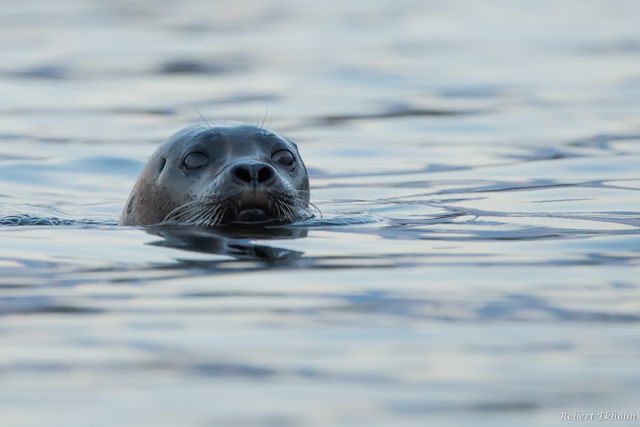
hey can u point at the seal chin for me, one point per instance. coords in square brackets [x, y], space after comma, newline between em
[252, 216]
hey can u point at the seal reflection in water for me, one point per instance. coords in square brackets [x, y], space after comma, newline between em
[226, 174]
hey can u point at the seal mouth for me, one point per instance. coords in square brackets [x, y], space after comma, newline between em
[252, 210]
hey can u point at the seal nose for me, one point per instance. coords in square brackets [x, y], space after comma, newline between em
[253, 173]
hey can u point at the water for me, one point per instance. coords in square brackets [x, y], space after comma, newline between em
[476, 164]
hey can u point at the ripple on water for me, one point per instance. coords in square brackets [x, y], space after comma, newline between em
[476, 257]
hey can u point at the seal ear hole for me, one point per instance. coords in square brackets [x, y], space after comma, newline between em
[130, 205]
[163, 162]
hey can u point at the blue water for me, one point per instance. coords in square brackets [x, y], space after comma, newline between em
[477, 169]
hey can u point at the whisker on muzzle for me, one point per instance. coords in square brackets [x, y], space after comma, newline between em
[215, 212]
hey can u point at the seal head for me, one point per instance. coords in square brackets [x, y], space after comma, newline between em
[229, 173]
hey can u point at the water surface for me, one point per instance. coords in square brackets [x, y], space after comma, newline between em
[476, 165]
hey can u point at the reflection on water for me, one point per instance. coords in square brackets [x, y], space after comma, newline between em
[236, 244]
[476, 166]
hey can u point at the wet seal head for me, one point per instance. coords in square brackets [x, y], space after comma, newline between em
[226, 174]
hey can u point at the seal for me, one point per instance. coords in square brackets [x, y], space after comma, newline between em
[229, 173]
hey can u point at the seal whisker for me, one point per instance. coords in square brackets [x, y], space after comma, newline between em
[278, 205]
[284, 210]
[181, 211]
[219, 215]
[216, 215]
[316, 208]
[202, 117]
[292, 214]
[202, 216]
[279, 210]
[265, 115]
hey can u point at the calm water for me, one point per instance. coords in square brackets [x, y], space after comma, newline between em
[478, 169]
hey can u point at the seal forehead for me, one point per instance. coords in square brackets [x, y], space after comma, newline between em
[227, 127]
[266, 133]
[244, 132]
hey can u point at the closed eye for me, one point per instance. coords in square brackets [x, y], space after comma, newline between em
[195, 160]
[283, 157]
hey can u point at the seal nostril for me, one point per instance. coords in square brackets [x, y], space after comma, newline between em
[242, 174]
[264, 174]
[253, 173]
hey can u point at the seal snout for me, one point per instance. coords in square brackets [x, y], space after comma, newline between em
[252, 174]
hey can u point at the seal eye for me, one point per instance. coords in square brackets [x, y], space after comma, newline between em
[195, 160]
[284, 157]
